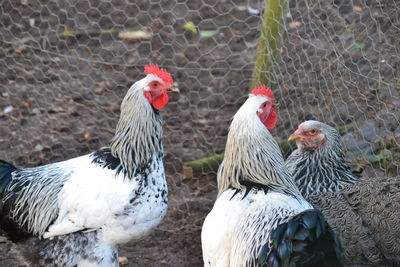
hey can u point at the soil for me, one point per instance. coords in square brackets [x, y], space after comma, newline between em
[64, 72]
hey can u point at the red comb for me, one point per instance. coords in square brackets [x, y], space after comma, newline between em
[160, 73]
[263, 90]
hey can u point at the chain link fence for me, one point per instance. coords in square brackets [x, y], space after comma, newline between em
[66, 66]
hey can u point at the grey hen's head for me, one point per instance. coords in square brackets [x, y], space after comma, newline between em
[318, 165]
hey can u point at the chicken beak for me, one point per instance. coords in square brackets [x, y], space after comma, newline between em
[172, 89]
[294, 137]
[276, 105]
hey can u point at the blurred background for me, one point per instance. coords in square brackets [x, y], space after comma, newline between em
[66, 65]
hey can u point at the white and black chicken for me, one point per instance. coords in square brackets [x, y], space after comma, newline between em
[76, 212]
[260, 217]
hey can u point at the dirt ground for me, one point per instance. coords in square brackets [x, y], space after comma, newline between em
[64, 72]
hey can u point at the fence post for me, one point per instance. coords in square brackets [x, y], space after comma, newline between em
[269, 45]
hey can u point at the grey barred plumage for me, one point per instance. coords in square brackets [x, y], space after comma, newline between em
[324, 169]
[68, 250]
[364, 212]
[366, 217]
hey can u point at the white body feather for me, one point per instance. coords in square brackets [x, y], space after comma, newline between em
[82, 195]
[96, 198]
[236, 228]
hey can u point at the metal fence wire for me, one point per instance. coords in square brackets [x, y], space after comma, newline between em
[66, 65]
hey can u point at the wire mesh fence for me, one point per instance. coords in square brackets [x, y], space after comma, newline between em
[66, 65]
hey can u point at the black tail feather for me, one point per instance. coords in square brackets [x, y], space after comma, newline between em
[10, 228]
[5, 175]
[305, 240]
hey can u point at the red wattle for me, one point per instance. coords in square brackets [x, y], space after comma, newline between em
[160, 101]
[147, 95]
[270, 123]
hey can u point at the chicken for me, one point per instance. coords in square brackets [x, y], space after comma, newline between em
[318, 164]
[260, 217]
[365, 213]
[76, 212]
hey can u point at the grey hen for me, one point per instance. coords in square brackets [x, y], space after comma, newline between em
[364, 213]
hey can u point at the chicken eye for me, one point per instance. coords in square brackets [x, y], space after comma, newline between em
[312, 132]
[154, 85]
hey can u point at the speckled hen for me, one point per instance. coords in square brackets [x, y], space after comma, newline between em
[365, 213]
[260, 217]
[77, 212]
